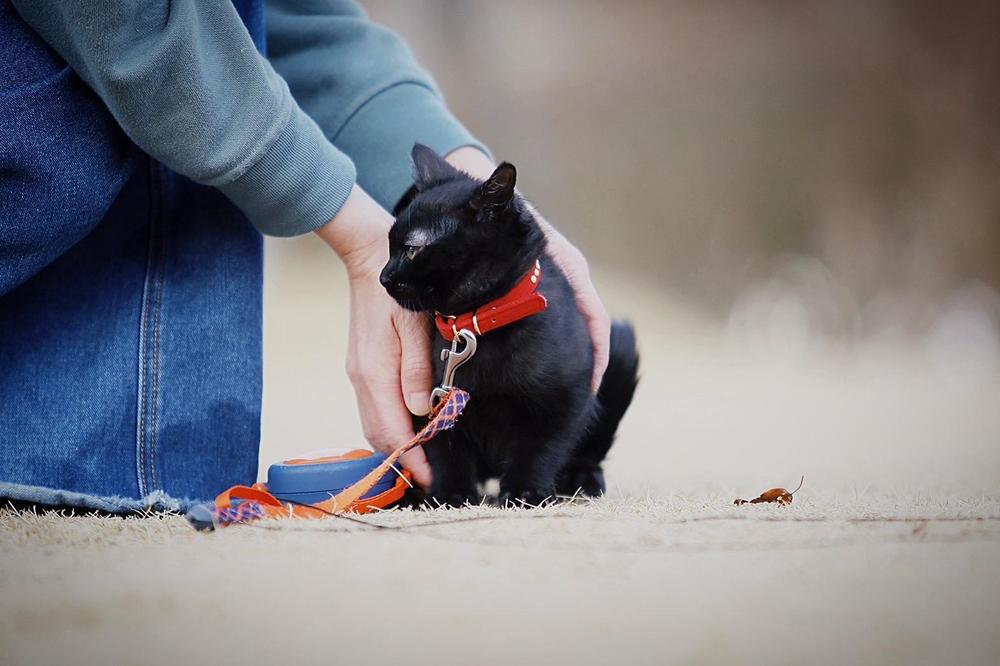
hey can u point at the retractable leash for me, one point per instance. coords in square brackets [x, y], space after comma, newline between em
[318, 485]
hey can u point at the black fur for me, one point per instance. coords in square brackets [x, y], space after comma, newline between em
[532, 420]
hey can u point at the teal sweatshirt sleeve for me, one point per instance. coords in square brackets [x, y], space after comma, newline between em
[362, 85]
[184, 81]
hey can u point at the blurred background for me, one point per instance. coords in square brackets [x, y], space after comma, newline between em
[797, 203]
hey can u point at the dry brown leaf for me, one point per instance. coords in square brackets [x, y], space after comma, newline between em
[779, 495]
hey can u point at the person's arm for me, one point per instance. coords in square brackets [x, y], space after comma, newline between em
[388, 348]
[186, 84]
[361, 84]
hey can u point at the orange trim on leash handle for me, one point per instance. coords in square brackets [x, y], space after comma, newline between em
[353, 454]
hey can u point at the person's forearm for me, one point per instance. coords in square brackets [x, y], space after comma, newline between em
[358, 232]
[472, 161]
[185, 82]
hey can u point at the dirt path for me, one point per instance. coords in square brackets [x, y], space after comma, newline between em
[626, 580]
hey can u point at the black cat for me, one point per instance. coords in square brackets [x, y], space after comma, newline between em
[532, 420]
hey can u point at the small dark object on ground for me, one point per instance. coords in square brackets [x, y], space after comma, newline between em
[779, 495]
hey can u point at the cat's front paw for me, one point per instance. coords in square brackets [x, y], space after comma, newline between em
[528, 498]
[586, 480]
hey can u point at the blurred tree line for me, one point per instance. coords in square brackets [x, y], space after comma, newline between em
[707, 146]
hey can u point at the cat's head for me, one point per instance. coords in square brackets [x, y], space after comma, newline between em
[460, 242]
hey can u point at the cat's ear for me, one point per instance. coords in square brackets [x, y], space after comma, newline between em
[429, 168]
[498, 189]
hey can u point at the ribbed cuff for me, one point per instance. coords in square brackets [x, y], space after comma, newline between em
[381, 134]
[298, 185]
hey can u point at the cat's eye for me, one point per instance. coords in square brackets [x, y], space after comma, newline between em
[410, 251]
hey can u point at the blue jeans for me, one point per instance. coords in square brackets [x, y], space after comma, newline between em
[130, 306]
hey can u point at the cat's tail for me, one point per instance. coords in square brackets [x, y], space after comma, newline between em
[613, 399]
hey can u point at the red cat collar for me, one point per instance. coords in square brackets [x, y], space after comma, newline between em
[520, 302]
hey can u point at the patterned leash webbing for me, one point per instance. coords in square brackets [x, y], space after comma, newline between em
[254, 502]
[445, 416]
[244, 512]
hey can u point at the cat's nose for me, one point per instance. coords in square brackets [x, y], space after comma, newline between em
[385, 278]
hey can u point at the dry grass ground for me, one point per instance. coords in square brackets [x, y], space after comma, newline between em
[671, 579]
[890, 554]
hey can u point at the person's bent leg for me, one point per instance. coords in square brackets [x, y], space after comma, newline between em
[130, 367]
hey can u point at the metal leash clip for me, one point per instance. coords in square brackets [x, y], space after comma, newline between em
[453, 359]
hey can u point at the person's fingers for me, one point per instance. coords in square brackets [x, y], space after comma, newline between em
[599, 323]
[415, 460]
[417, 380]
[383, 425]
[577, 271]
[592, 308]
[416, 370]
[387, 425]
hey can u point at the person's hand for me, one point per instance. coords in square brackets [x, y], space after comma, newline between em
[577, 270]
[567, 257]
[388, 351]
